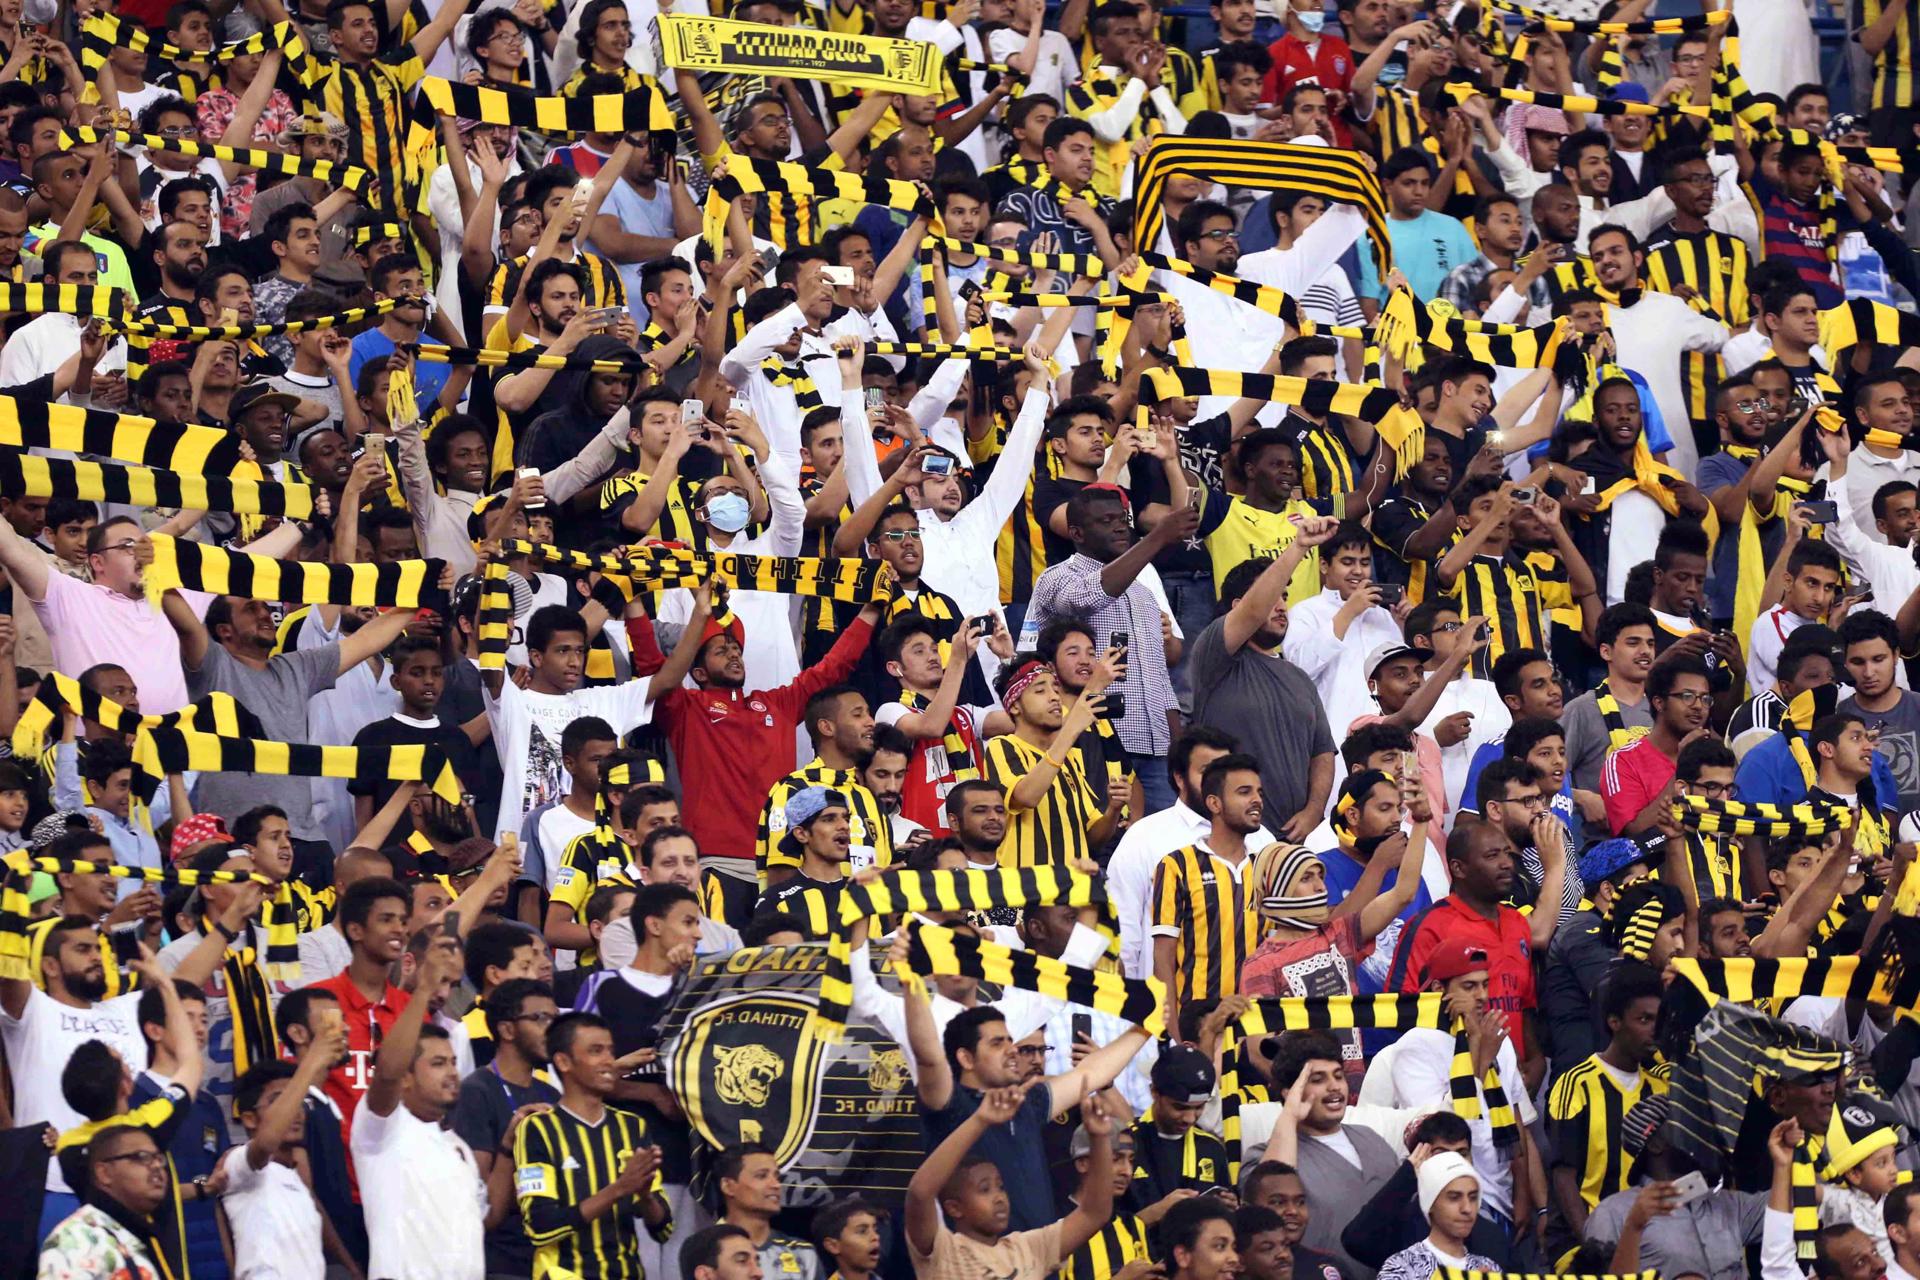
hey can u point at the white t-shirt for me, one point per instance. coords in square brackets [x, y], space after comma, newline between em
[559, 827]
[1422, 1068]
[276, 1228]
[44, 1036]
[425, 1201]
[526, 731]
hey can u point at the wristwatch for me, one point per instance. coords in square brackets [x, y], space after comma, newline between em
[200, 1187]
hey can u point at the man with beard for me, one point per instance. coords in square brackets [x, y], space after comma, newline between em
[180, 253]
[734, 742]
[1205, 917]
[976, 813]
[1207, 236]
[398, 276]
[40, 1029]
[882, 770]
[560, 321]
[1740, 413]
[1340, 1165]
[1637, 781]
[840, 726]
[1648, 328]
[1245, 687]
[552, 190]
[585, 1171]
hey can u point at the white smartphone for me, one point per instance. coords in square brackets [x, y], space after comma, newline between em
[1691, 1188]
[838, 277]
[524, 473]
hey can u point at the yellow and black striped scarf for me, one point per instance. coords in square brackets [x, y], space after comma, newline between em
[959, 755]
[1619, 736]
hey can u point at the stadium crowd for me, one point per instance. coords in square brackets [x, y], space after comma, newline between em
[1409, 560]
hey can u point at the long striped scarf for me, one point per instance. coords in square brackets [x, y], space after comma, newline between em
[1619, 735]
[37, 477]
[218, 713]
[328, 172]
[934, 949]
[1400, 427]
[1750, 818]
[1466, 1097]
[195, 566]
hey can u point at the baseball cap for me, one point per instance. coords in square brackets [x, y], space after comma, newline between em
[1631, 91]
[1081, 1144]
[1384, 653]
[802, 808]
[1184, 1074]
[1452, 959]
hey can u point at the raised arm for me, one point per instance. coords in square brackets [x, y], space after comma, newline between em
[328, 1045]
[1250, 613]
[26, 567]
[395, 1060]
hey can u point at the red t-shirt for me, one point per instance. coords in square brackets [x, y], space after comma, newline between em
[1507, 940]
[1320, 964]
[1631, 778]
[367, 1025]
[1330, 65]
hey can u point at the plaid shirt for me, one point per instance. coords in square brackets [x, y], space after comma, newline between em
[1071, 589]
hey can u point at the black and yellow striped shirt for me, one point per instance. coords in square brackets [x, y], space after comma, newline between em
[1586, 1106]
[1122, 1240]
[1512, 596]
[1893, 66]
[1209, 906]
[1326, 463]
[813, 902]
[1053, 831]
[675, 523]
[373, 102]
[604, 286]
[559, 1161]
[869, 832]
[1714, 265]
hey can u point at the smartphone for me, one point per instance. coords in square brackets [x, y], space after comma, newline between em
[1525, 495]
[126, 946]
[1691, 1188]
[1795, 407]
[1590, 488]
[875, 399]
[838, 277]
[525, 472]
[768, 259]
[1409, 766]
[1497, 440]
[1825, 512]
[373, 443]
[969, 290]
[1391, 594]
[693, 413]
[937, 464]
[1082, 1026]
[605, 317]
[450, 922]
[1116, 701]
[1483, 632]
[984, 622]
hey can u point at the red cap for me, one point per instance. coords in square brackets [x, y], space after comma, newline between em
[1453, 959]
[198, 829]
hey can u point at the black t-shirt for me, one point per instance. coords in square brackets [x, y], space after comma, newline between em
[396, 732]
[1017, 1148]
[480, 1116]
[635, 1018]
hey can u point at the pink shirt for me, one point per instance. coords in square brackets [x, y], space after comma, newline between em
[88, 625]
[1432, 774]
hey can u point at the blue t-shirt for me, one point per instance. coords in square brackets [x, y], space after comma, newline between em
[1769, 774]
[428, 379]
[1343, 873]
[197, 1144]
[1425, 249]
[638, 216]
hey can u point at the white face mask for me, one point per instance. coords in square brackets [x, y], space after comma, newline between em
[1313, 20]
[1085, 946]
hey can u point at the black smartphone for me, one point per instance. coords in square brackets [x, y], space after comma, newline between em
[1082, 1026]
[1391, 594]
[969, 290]
[1116, 701]
[126, 946]
[1117, 640]
[984, 622]
[1483, 632]
[1821, 512]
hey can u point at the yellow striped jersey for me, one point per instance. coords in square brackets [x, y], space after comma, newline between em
[1096, 93]
[1893, 66]
[870, 834]
[1211, 904]
[1326, 463]
[676, 522]
[1053, 831]
[1511, 595]
[1586, 1106]
[559, 1161]
[1122, 1240]
[372, 102]
[1714, 265]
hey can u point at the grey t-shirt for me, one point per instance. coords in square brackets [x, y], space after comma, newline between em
[1270, 705]
[1587, 740]
[277, 695]
[1899, 743]
[1708, 1237]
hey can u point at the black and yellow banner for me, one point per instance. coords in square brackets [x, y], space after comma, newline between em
[67, 299]
[1590, 26]
[755, 48]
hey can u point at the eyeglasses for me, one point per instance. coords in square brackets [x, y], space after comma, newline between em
[129, 545]
[1448, 628]
[178, 131]
[1717, 790]
[1219, 235]
[145, 1159]
[1749, 406]
[1534, 801]
[1031, 1050]
[1687, 697]
[897, 536]
[1693, 179]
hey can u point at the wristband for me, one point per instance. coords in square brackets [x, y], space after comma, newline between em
[1058, 764]
[229, 934]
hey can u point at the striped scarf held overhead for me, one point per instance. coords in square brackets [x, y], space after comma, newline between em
[328, 172]
[1399, 427]
[67, 299]
[195, 566]
[17, 869]
[32, 476]
[934, 949]
[40, 719]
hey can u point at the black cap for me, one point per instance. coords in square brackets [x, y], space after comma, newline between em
[1184, 1074]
